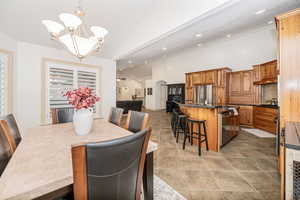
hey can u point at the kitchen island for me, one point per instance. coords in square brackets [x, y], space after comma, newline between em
[219, 121]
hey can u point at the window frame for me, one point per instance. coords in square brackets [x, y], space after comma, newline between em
[46, 62]
[8, 83]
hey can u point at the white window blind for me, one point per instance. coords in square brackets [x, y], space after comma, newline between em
[61, 78]
[3, 84]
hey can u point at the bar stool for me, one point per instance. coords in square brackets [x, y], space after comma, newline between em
[180, 124]
[191, 134]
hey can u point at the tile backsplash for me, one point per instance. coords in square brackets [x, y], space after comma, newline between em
[269, 92]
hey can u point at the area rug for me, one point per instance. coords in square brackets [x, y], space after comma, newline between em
[163, 191]
[259, 133]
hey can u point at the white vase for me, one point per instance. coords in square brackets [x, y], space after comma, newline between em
[83, 121]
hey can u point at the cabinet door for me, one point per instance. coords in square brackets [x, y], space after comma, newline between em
[196, 78]
[256, 73]
[247, 83]
[209, 77]
[246, 115]
[235, 84]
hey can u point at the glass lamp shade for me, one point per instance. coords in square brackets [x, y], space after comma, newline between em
[84, 46]
[53, 27]
[99, 32]
[70, 21]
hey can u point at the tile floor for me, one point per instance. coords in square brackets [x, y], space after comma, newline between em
[245, 169]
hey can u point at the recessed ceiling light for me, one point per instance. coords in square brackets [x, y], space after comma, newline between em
[198, 35]
[118, 79]
[199, 44]
[129, 61]
[260, 12]
[164, 48]
[228, 35]
[270, 22]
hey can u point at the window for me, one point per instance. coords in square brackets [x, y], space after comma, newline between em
[5, 79]
[60, 77]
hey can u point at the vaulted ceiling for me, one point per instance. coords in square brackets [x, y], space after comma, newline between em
[139, 30]
[131, 23]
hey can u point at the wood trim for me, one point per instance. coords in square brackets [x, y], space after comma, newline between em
[145, 122]
[141, 165]
[128, 120]
[288, 14]
[54, 116]
[79, 172]
[8, 135]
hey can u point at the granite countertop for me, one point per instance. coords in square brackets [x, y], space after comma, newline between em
[211, 106]
[208, 106]
[292, 135]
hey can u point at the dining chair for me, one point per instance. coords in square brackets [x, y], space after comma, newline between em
[111, 169]
[62, 115]
[136, 121]
[13, 126]
[7, 145]
[115, 116]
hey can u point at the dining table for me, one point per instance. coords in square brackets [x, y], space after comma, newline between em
[41, 166]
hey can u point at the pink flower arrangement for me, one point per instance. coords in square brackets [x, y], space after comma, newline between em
[82, 97]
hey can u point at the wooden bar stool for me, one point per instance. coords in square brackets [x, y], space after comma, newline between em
[180, 124]
[202, 137]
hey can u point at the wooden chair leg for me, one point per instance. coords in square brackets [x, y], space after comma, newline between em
[199, 139]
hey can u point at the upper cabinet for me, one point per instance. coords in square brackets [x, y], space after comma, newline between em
[265, 73]
[218, 78]
[241, 87]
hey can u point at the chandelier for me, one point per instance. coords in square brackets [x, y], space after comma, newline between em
[74, 34]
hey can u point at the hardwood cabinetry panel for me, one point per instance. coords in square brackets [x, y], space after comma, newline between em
[241, 87]
[288, 29]
[235, 84]
[264, 118]
[218, 78]
[247, 83]
[265, 73]
[246, 115]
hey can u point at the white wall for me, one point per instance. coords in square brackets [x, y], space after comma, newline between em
[27, 83]
[150, 99]
[128, 88]
[239, 52]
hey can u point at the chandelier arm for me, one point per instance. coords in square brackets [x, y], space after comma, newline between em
[75, 46]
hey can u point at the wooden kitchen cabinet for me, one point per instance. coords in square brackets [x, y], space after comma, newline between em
[241, 87]
[218, 78]
[246, 115]
[235, 84]
[264, 118]
[288, 29]
[265, 73]
[247, 83]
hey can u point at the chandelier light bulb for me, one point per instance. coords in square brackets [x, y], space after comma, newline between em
[99, 32]
[53, 27]
[70, 21]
